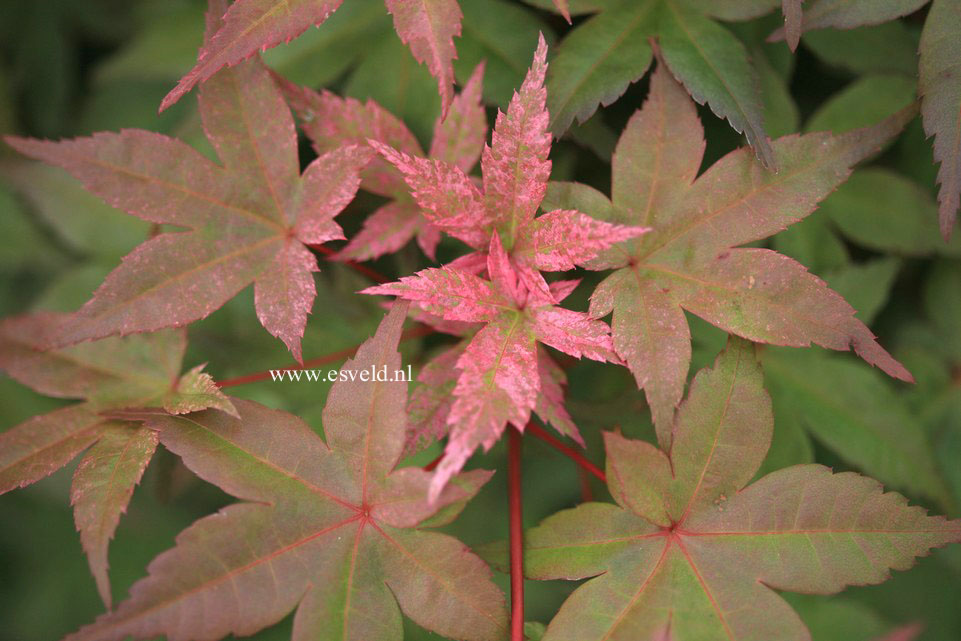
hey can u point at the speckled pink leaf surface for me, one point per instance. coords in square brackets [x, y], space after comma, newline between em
[499, 380]
[459, 138]
[561, 240]
[250, 26]
[109, 374]
[284, 293]
[449, 293]
[692, 550]
[688, 262]
[330, 121]
[247, 27]
[431, 401]
[385, 231]
[241, 215]
[515, 170]
[515, 165]
[330, 530]
[447, 196]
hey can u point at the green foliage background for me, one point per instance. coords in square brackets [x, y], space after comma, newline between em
[70, 68]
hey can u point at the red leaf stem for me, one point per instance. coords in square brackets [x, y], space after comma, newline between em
[372, 274]
[538, 432]
[514, 445]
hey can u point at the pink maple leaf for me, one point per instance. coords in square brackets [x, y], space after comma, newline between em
[515, 170]
[331, 121]
[502, 374]
[500, 377]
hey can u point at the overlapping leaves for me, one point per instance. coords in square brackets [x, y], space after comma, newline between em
[500, 380]
[111, 374]
[332, 122]
[331, 529]
[250, 219]
[690, 261]
[428, 27]
[690, 554]
[599, 59]
[939, 84]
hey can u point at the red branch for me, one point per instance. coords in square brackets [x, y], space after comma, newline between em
[514, 445]
[538, 432]
[374, 275]
[414, 332]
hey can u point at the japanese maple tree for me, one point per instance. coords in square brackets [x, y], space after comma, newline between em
[615, 231]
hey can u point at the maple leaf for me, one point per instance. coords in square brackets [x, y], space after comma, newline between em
[249, 219]
[599, 59]
[114, 373]
[938, 85]
[500, 381]
[431, 401]
[331, 529]
[500, 377]
[516, 170]
[691, 554]
[331, 122]
[940, 89]
[427, 27]
[689, 262]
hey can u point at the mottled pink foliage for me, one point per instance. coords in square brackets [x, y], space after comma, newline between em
[330, 121]
[502, 375]
[516, 170]
[501, 378]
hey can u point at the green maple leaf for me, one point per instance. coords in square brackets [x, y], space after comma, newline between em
[598, 60]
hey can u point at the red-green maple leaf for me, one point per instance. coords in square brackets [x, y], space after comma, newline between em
[331, 122]
[689, 262]
[428, 27]
[691, 554]
[249, 218]
[331, 529]
[110, 374]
